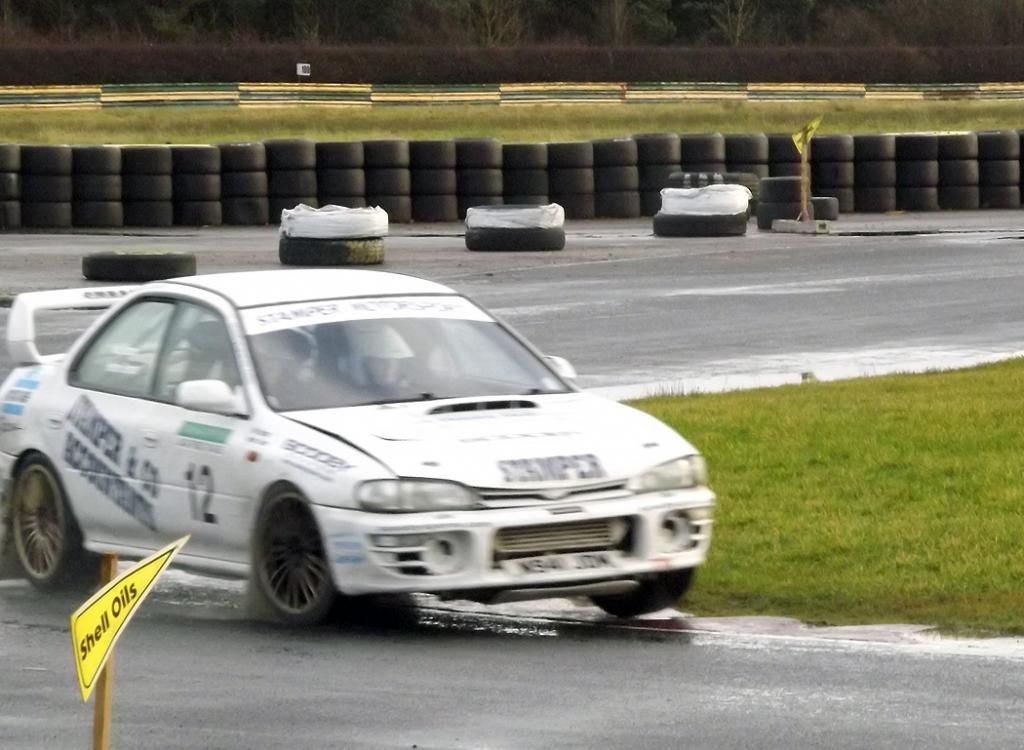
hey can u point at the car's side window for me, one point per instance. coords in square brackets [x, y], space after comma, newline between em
[198, 348]
[122, 358]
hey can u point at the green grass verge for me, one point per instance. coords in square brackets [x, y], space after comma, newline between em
[892, 499]
[509, 123]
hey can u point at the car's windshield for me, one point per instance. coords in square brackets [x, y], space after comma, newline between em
[348, 356]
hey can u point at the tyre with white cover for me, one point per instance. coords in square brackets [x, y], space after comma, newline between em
[332, 236]
[514, 228]
[710, 211]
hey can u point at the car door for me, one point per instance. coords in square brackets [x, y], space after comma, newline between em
[113, 487]
[202, 455]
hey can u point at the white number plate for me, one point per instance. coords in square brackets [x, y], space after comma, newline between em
[576, 561]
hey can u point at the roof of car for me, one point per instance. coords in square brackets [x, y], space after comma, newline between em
[253, 288]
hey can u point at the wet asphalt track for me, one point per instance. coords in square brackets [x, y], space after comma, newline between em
[626, 308]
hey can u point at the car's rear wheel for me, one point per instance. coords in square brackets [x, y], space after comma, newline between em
[291, 568]
[47, 539]
[664, 590]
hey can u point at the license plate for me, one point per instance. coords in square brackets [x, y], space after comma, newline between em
[577, 561]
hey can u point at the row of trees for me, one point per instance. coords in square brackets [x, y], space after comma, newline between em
[521, 22]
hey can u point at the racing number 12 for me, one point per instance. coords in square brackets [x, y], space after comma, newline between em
[200, 492]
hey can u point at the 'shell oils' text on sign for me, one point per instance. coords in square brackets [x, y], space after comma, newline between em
[119, 604]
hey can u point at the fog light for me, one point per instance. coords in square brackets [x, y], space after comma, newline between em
[676, 533]
[444, 553]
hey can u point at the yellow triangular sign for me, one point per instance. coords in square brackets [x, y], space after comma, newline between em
[97, 624]
[803, 136]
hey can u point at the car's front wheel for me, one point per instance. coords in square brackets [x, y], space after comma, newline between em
[291, 570]
[47, 540]
[661, 591]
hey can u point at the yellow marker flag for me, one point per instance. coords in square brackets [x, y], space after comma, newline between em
[803, 136]
[97, 624]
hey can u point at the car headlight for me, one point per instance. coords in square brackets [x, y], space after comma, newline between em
[413, 496]
[689, 471]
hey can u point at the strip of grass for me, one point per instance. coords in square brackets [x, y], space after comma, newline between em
[216, 124]
[893, 499]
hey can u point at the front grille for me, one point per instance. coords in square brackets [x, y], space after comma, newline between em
[554, 538]
[494, 497]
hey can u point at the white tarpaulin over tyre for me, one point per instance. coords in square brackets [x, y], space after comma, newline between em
[334, 222]
[550, 216]
[712, 200]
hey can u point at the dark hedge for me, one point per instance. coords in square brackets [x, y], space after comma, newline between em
[145, 63]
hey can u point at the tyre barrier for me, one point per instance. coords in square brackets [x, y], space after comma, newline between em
[958, 171]
[658, 155]
[783, 158]
[10, 186]
[697, 225]
[433, 181]
[768, 212]
[291, 175]
[340, 179]
[999, 169]
[515, 228]
[747, 153]
[616, 179]
[147, 186]
[244, 185]
[874, 173]
[917, 172]
[525, 173]
[479, 178]
[66, 186]
[827, 208]
[196, 185]
[715, 210]
[571, 178]
[46, 187]
[703, 152]
[832, 169]
[137, 266]
[337, 236]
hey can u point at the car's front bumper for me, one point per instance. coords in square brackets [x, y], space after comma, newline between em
[556, 545]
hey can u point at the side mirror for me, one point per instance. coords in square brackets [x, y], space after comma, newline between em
[562, 367]
[210, 395]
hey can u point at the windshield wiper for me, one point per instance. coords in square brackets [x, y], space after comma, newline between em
[410, 399]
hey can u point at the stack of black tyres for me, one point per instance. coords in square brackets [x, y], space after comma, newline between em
[658, 156]
[571, 178]
[999, 169]
[525, 173]
[703, 152]
[340, 179]
[748, 154]
[616, 179]
[244, 187]
[46, 187]
[874, 173]
[388, 181]
[291, 174]
[832, 171]
[783, 158]
[958, 171]
[917, 172]
[196, 186]
[479, 177]
[10, 186]
[96, 186]
[147, 186]
[780, 199]
[434, 183]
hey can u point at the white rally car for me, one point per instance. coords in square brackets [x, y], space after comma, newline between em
[332, 433]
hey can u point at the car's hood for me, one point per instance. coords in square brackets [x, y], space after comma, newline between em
[554, 439]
